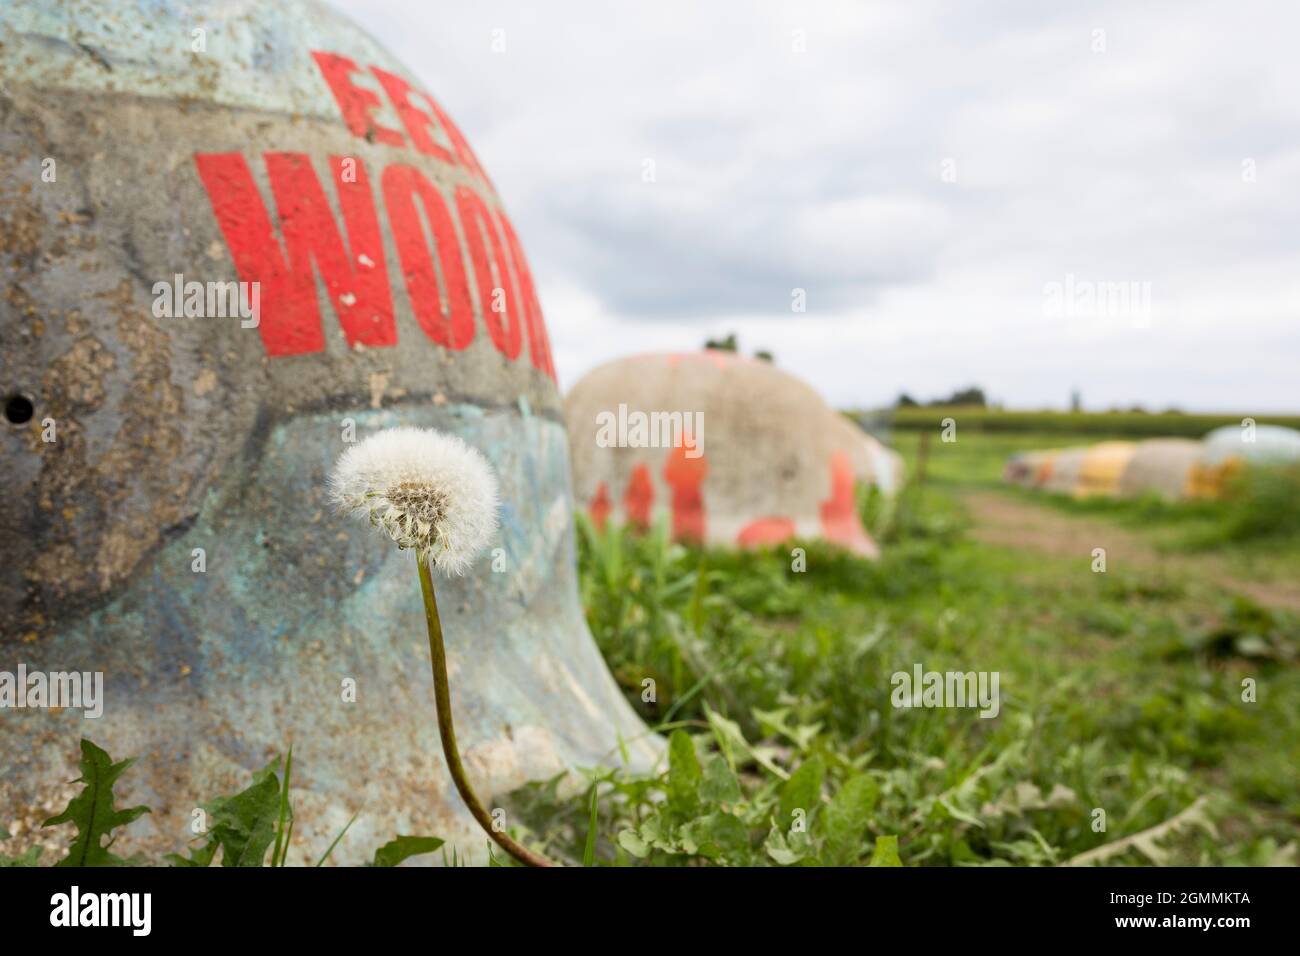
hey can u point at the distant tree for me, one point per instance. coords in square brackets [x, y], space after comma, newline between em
[972, 395]
[906, 401]
[730, 343]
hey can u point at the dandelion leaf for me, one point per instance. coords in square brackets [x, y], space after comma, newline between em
[92, 811]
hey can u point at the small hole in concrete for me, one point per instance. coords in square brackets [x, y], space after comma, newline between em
[18, 409]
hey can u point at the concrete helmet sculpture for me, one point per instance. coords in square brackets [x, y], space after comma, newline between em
[1252, 443]
[1227, 452]
[728, 450]
[237, 237]
[1029, 469]
[1061, 473]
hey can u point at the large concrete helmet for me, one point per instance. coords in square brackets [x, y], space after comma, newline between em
[169, 431]
[730, 451]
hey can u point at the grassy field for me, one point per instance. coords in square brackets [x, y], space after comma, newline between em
[1126, 424]
[1122, 737]
[1197, 536]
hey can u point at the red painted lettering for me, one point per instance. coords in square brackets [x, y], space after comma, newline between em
[685, 476]
[417, 123]
[639, 499]
[492, 274]
[355, 103]
[448, 322]
[290, 321]
[458, 143]
[765, 531]
[539, 344]
[839, 513]
[599, 507]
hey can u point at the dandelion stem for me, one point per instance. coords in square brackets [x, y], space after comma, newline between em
[447, 730]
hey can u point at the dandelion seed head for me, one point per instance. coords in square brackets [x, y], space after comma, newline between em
[427, 490]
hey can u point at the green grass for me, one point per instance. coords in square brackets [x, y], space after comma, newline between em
[1128, 424]
[1256, 530]
[1121, 692]
[243, 826]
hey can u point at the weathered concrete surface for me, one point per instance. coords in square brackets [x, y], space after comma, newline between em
[874, 463]
[174, 434]
[771, 464]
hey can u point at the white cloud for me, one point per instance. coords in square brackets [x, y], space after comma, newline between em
[822, 170]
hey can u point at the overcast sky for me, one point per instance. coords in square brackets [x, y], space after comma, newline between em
[947, 182]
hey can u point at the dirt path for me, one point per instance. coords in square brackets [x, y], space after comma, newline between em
[1007, 522]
